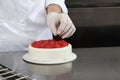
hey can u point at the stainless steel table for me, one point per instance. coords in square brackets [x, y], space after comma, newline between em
[91, 64]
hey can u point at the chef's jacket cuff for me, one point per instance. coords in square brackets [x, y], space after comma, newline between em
[61, 3]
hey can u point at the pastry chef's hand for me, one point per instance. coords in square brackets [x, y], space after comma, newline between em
[60, 24]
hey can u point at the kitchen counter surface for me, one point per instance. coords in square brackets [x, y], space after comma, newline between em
[91, 64]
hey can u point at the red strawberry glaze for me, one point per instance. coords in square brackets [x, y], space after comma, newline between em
[49, 44]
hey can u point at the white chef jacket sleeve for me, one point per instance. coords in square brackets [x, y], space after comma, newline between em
[61, 3]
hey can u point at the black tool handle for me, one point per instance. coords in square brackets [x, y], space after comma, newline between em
[57, 38]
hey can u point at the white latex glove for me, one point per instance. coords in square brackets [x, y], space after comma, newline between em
[60, 24]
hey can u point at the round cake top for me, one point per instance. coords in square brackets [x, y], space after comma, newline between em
[49, 44]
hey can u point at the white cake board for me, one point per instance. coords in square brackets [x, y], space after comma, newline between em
[29, 58]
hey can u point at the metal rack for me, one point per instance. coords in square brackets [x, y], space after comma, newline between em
[8, 74]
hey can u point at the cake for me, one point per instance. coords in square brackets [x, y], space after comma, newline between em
[50, 51]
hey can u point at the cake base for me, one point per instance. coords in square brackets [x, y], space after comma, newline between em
[29, 58]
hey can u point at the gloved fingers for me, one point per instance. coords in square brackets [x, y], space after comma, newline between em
[66, 34]
[52, 19]
[52, 26]
[69, 32]
[72, 27]
[73, 31]
[60, 24]
[63, 23]
[69, 26]
[61, 28]
[66, 29]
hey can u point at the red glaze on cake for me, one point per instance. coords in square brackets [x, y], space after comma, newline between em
[49, 44]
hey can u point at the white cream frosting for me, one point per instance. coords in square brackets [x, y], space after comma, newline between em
[56, 54]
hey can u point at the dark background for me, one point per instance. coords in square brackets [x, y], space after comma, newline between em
[97, 22]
